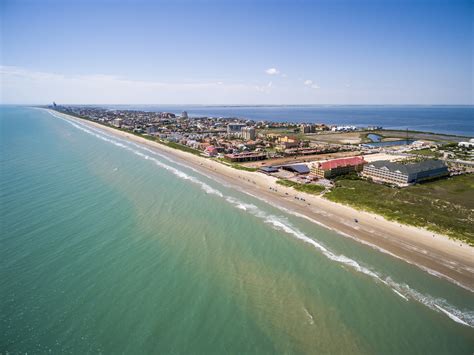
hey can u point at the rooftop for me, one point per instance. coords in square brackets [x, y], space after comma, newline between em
[297, 168]
[337, 163]
[412, 168]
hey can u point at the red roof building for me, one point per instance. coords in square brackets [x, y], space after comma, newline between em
[211, 151]
[335, 167]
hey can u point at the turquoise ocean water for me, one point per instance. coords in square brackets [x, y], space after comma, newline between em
[107, 246]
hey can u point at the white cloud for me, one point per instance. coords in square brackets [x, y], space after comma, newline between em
[272, 71]
[310, 84]
[20, 85]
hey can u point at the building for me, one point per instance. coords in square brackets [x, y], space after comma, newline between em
[332, 168]
[268, 169]
[151, 129]
[469, 144]
[306, 128]
[243, 157]
[249, 133]
[184, 115]
[235, 128]
[287, 142]
[211, 151]
[117, 122]
[298, 169]
[403, 174]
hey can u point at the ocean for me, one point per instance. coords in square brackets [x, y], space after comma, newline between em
[457, 120]
[110, 247]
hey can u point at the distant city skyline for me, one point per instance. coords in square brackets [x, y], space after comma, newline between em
[237, 52]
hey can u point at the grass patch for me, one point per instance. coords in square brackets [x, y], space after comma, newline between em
[235, 165]
[241, 167]
[178, 146]
[445, 206]
[425, 152]
[308, 188]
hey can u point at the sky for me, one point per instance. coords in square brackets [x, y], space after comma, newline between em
[237, 52]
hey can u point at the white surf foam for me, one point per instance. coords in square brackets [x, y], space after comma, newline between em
[373, 246]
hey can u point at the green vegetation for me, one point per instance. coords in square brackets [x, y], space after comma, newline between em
[350, 176]
[400, 133]
[445, 206]
[178, 146]
[291, 131]
[308, 188]
[241, 167]
[425, 152]
[235, 165]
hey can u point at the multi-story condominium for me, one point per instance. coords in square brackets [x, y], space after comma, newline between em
[469, 144]
[403, 174]
[235, 128]
[117, 122]
[246, 156]
[248, 133]
[335, 167]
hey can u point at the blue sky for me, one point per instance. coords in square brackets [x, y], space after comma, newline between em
[237, 52]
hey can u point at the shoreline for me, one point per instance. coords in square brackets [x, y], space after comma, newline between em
[431, 252]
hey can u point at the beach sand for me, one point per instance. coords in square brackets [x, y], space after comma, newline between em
[434, 253]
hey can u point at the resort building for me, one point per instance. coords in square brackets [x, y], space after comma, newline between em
[211, 151]
[117, 122]
[235, 128]
[405, 174]
[469, 144]
[243, 157]
[151, 129]
[335, 167]
[298, 169]
[249, 133]
[268, 169]
[286, 142]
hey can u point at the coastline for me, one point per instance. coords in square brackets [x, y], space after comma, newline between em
[434, 253]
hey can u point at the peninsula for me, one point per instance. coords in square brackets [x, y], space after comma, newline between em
[358, 181]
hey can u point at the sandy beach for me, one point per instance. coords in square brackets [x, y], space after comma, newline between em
[434, 253]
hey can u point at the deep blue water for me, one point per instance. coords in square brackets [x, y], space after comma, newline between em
[457, 120]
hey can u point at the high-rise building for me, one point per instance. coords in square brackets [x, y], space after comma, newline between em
[249, 133]
[184, 114]
[235, 128]
[117, 122]
[304, 128]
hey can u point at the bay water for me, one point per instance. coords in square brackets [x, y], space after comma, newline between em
[457, 120]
